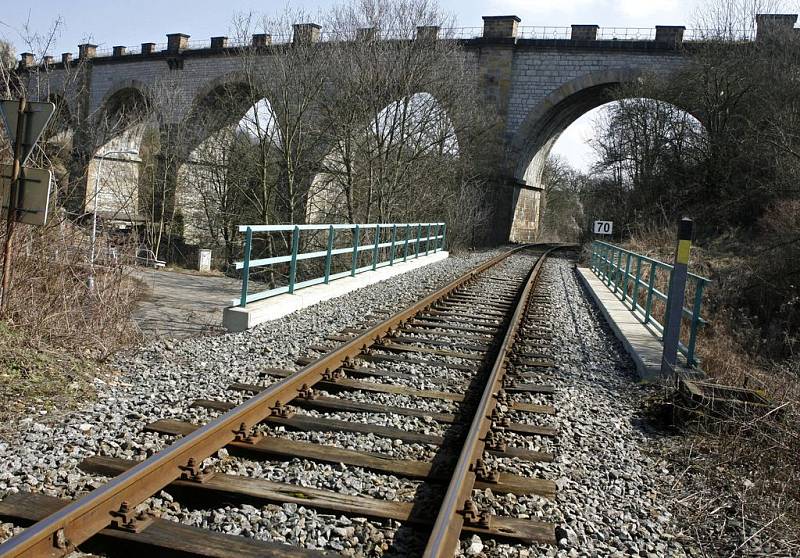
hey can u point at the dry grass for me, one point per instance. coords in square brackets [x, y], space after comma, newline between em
[737, 481]
[56, 332]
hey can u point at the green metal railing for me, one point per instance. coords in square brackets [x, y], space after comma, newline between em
[635, 279]
[408, 240]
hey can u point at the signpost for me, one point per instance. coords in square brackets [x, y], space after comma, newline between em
[675, 296]
[24, 124]
[603, 227]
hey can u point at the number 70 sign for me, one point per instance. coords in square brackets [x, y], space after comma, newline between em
[603, 227]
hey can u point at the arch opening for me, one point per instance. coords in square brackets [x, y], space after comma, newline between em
[231, 175]
[580, 103]
[371, 165]
[113, 189]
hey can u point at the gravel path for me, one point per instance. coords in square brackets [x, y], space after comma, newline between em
[161, 378]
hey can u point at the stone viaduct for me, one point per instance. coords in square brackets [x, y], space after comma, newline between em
[539, 86]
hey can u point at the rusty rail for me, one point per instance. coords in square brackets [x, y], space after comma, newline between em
[456, 508]
[62, 532]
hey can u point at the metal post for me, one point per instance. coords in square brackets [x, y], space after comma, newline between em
[11, 216]
[627, 275]
[677, 285]
[293, 263]
[329, 256]
[377, 247]
[616, 270]
[419, 230]
[248, 246]
[635, 295]
[405, 249]
[428, 240]
[356, 235]
[650, 286]
[698, 302]
[394, 237]
[444, 234]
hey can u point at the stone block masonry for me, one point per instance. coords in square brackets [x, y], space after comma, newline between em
[537, 87]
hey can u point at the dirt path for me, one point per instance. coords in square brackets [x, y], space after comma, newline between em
[179, 304]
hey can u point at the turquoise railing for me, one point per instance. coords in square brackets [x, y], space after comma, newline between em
[634, 278]
[407, 240]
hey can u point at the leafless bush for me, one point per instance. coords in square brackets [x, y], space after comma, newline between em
[50, 298]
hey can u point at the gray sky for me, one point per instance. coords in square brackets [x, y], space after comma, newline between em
[131, 22]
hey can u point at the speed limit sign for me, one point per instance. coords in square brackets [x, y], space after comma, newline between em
[603, 227]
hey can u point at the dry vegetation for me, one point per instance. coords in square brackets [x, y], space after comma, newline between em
[55, 331]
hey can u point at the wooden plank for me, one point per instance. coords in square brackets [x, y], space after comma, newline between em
[531, 355]
[533, 363]
[487, 337]
[280, 448]
[222, 488]
[160, 538]
[408, 339]
[441, 324]
[459, 317]
[347, 384]
[422, 362]
[359, 371]
[324, 403]
[533, 408]
[526, 530]
[318, 424]
[407, 348]
[532, 429]
[472, 310]
[526, 454]
[531, 388]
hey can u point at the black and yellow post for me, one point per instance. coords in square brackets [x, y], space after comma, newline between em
[675, 296]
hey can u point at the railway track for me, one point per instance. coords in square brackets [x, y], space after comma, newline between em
[470, 347]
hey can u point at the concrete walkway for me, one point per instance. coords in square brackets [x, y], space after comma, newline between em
[641, 343]
[180, 304]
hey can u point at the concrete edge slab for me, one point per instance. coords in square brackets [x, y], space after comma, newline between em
[236, 319]
[639, 341]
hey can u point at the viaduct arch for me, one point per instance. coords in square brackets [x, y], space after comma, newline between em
[537, 85]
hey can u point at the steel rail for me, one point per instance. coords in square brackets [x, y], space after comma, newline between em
[62, 532]
[444, 537]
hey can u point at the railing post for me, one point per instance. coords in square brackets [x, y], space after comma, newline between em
[248, 245]
[329, 255]
[394, 238]
[419, 230]
[698, 302]
[377, 244]
[635, 295]
[650, 286]
[405, 249]
[356, 235]
[444, 234]
[627, 275]
[616, 270]
[293, 263]
[428, 240]
[677, 286]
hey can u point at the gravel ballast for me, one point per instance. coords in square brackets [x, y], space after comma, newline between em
[606, 504]
[160, 379]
